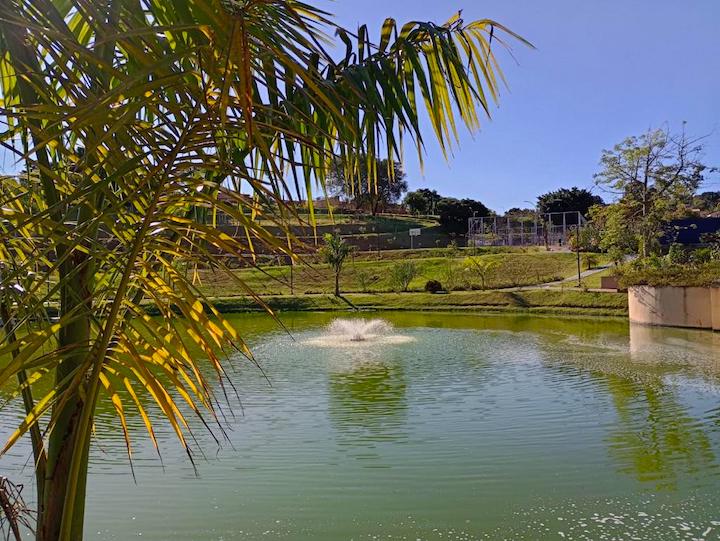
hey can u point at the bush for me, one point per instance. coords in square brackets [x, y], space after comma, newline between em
[591, 260]
[366, 280]
[703, 255]
[433, 286]
[658, 272]
[452, 249]
[402, 274]
[451, 274]
[678, 254]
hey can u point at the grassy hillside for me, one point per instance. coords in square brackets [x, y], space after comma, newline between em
[358, 223]
[375, 276]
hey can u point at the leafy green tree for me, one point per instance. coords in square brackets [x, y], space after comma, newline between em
[655, 176]
[134, 114]
[454, 213]
[370, 188]
[568, 200]
[707, 202]
[334, 253]
[613, 228]
[422, 201]
[520, 213]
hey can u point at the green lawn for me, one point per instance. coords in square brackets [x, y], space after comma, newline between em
[367, 274]
[593, 281]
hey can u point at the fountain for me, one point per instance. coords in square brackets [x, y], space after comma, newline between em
[359, 330]
[344, 332]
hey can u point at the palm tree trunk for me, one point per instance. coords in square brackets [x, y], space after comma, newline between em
[60, 454]
[337, 284]
[75, 338]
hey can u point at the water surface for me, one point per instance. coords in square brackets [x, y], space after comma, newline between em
[470, 427]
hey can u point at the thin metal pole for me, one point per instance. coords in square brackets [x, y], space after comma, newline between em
[577, 249]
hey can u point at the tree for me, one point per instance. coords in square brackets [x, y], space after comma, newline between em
[655, 175]
[368, 188]
[480, 265]
[454, 213]
[568, 200]
[613, 229]
[134, 114]
[521, 213]
[707, 202]
[422, 201]
[334, 253]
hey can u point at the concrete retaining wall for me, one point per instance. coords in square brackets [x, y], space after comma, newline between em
[696, 307]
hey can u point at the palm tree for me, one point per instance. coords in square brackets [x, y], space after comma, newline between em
[129, 115]
[334, 254]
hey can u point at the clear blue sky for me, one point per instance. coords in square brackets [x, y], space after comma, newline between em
[603, 70]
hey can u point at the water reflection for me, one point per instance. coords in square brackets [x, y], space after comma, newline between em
[675, 350]
[656, 437]
[367, 403]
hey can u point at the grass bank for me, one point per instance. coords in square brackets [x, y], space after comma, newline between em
[365, 274]
[533, 300]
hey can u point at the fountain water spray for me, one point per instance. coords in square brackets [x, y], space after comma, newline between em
[359, 330]
[345, 333]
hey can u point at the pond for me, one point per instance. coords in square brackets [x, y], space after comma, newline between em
[447, 426]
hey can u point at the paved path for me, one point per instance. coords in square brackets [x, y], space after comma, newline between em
[583, 274]
[553, 285]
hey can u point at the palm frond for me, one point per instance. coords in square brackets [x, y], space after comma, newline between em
[135, 120]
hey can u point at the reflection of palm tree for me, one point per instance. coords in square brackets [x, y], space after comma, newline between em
[368, 404]
[656, 440]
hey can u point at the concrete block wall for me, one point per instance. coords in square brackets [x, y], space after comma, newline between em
[695, 307]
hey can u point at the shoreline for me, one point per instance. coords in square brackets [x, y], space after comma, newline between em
[531, 301]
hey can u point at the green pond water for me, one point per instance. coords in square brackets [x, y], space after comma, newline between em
[451, 426]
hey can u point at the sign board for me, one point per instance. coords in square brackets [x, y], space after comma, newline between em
[415, 232]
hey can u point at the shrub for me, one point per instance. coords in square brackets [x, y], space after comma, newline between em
[451, 274]
[402, 274]
[678, 254]
[617, 255]
[365, 280]
[702, 255]
[433, 286]
[482, 266]
[453, 249]
[658, 272]
[591, 260]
